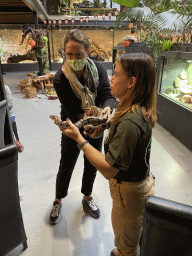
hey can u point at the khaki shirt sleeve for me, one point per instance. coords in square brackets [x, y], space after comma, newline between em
[122, 146]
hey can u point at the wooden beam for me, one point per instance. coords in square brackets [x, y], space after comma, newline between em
[90, 9]
[12, 3]
[17, 18]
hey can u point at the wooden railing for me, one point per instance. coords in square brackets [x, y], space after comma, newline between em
[71, 9]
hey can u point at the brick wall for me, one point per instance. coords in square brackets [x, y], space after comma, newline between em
[10, 41]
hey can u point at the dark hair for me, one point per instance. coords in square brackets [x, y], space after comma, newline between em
[76, 35]
[142, 67]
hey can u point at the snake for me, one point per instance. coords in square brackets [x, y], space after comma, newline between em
[89, 122]
[93, 122]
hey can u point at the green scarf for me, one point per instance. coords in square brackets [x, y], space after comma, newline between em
[87, 93]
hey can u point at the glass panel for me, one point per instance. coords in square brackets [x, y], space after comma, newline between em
[177, 80]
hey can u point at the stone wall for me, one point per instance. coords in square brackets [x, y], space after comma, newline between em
[10, 40]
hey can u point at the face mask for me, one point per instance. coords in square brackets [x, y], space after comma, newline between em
[77, 64]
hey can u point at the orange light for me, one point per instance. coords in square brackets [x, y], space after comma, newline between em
[130, 26]
[32, 42]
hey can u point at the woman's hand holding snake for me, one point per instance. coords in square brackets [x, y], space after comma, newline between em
[95, 121]
[72, 131]
[69, 129]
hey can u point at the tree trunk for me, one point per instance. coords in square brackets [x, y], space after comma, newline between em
[18, 58]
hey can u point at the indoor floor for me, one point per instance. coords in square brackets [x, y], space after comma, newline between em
[77, 233]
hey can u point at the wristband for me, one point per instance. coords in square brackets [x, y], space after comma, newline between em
[82, 144]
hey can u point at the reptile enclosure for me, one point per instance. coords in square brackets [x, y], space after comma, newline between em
[174, 85]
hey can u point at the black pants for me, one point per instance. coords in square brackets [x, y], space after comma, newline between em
[69, 156]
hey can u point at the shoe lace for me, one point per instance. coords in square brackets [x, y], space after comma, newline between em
[55, 210]
[92, 205]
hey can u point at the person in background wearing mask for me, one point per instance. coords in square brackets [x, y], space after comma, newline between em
[12, 115]
[80, 82]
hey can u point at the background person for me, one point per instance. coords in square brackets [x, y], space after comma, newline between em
[79, 83]
[127, 148]
[12, 115]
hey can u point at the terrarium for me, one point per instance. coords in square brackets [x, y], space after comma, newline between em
[176, 80]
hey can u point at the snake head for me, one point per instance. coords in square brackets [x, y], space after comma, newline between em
[53, 117]
[56, 119]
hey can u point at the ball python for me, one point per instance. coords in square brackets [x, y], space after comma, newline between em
[92, 120]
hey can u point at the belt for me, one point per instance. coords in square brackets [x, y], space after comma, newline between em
[131, 179]
[119, 180]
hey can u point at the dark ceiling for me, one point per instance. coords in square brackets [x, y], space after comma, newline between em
[16, 12]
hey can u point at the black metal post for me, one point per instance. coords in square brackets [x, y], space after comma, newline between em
[39, 59]
[48, 44]
[1, 68]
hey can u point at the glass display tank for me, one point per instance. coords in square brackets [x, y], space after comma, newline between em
[177, 80]
[174, 92]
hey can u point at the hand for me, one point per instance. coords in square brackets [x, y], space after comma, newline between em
[107, 110]
[72, 131]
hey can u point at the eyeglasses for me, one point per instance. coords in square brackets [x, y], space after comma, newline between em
[80, 55]
[113, 67]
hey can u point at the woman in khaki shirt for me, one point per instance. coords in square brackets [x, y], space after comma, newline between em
[127, 148]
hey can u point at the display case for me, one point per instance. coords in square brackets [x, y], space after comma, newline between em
[177, 79]
[174, 85]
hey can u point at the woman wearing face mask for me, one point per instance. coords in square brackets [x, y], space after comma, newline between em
[127, 148]
[79, 83]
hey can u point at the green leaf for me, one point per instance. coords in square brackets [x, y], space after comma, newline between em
[128, 3]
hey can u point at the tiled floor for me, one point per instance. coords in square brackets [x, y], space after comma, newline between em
[78, 234]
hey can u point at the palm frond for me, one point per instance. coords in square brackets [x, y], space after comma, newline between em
[128, 3]
[159, 6]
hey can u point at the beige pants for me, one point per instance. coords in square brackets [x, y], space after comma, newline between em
[128, 213]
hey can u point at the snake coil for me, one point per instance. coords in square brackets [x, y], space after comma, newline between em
[92, 120]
